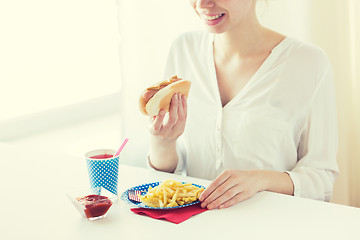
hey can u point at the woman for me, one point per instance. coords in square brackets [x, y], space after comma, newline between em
[260, 113]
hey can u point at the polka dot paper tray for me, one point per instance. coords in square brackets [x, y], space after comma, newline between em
[144, 188]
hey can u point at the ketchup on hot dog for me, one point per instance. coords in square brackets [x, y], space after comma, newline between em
[150, 92]
[158, 96]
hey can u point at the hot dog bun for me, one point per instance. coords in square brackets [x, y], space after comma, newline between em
[162, 98]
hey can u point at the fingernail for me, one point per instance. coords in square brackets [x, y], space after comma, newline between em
[201, 198]
[203, 205]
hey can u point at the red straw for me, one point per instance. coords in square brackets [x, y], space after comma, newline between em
[121, 147]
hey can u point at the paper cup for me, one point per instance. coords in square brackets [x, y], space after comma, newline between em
[103, 169]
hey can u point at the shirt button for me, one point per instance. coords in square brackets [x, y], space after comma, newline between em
[218, 149]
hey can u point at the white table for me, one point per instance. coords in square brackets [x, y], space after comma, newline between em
[34, 206]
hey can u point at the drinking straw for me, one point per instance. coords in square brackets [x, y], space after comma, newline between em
[121, 147]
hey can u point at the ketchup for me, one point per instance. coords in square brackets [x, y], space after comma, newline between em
[151, 91]
[102, 156]
[95, 205]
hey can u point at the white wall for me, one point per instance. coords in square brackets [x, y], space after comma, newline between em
[337, 31]
[56, 52]
[289, 17]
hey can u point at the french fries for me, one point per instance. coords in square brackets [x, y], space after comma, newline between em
[171, 193]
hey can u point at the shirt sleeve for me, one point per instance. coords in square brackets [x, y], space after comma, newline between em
[316, 169]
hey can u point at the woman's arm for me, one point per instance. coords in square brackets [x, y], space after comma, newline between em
[279, 182]
[163, 154]
[233, 186]
[161, 150]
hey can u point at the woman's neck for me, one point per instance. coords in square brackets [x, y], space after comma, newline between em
[245, 41]
[241, 42]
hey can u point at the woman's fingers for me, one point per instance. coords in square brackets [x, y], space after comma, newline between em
[179, 127]
[241, 196]
[182, 108]
[229, 188]
[173, 112]
[212, 187]
[158, 122]
[174, 125]
[224, 197]
[222, 194]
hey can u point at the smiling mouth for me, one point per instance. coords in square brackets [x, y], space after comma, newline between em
[214, 17]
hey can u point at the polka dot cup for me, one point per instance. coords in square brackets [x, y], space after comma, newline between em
[103, 169]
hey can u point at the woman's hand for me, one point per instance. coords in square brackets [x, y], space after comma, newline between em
[164, 133]
[234, 186]
[168, 131]
[229, 188]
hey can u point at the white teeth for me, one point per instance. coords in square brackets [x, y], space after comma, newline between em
[213, 17]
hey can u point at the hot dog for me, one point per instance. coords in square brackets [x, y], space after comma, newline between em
[159, 95]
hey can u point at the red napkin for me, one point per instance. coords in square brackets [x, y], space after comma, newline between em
[176, 215]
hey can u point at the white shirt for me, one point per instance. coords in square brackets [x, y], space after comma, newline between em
[284, 119]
